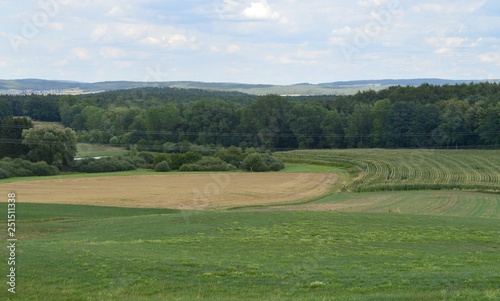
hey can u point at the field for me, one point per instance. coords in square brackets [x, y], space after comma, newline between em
[381, 170]
[177, 190]
[301, 234]
[97, 150]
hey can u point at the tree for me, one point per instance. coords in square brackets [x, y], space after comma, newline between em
[51, 144]
[398, 124]
[333, 129]
[43, 108]
[489, 126]
[381, 109]
[11, 135]
[455, 126]
[213, 121]
[359, 127]
[266, 123]
[305, 123]
[160, 122]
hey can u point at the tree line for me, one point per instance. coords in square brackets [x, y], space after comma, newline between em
[449, 116]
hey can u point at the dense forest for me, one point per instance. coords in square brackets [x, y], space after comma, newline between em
[427, 116]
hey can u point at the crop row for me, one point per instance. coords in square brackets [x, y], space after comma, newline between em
[412, 169]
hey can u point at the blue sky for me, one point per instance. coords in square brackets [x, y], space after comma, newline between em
[250, 41]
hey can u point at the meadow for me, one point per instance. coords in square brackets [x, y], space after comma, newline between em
[385, 243]
[382, 170]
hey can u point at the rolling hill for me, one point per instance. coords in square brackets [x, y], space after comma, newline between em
[40, 86]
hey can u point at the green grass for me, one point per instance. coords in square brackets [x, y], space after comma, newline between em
[91, 253]
[310, 168]
[98, 150]
[382, 245]
[388, 170]
[442, 203]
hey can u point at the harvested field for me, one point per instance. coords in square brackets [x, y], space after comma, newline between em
[178, 191]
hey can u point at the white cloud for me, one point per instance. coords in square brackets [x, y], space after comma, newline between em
[111, 53]
[232, 49]
[99, 32]
[443, 50]
[428, 7]
[116, 11]
[81, 53]
[489, 58]
[260, 11]
[180, 41]
[275, 40]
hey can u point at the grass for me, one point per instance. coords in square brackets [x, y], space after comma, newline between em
[437, 203]
[98, 150]
[291, 167]
[371, 245]
[92, 253]
[389, 170]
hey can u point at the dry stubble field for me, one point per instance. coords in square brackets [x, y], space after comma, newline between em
[177, 191]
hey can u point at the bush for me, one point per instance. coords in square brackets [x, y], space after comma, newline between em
[177, 160]
[255, 162]
[148, 157]
[162, 167]
[159, 158]
[262, 162]
[232, 155]
[21, 168]
[110, 164]
[4, 174]
[273, 163]
[208, 164]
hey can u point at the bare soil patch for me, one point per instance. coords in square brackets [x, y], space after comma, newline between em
[180, 191]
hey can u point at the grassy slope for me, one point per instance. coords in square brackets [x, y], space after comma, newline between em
[382, 170]
[438, 247]
[98, 254]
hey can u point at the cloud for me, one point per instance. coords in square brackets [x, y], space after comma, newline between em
[491, 58]
[428, 7]
[111, 53]
[260, 11]
[180, 41]
[81, 53]
[232, 49]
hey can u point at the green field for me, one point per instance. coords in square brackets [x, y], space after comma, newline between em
[98, 150]
[385, 243]
[91, 253]
[380, 170]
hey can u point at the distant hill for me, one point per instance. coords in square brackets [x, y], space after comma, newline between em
[40, 86]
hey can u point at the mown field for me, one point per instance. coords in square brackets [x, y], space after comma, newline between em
[381, 170]
[380, 243]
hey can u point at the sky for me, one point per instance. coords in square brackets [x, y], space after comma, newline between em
[249, 41]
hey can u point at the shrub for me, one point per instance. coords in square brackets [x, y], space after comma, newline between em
[177, 160]
[22, 168]
[273, 163]
[162, 167]
[202, 149]
[148, 157]
[232, 155]
[262, 162]
[208, 164]
[4, 174]
[159, 158]
[255, 162]
[115, 141]
[111, 164]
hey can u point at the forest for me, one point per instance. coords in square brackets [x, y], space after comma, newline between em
[153, 119]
